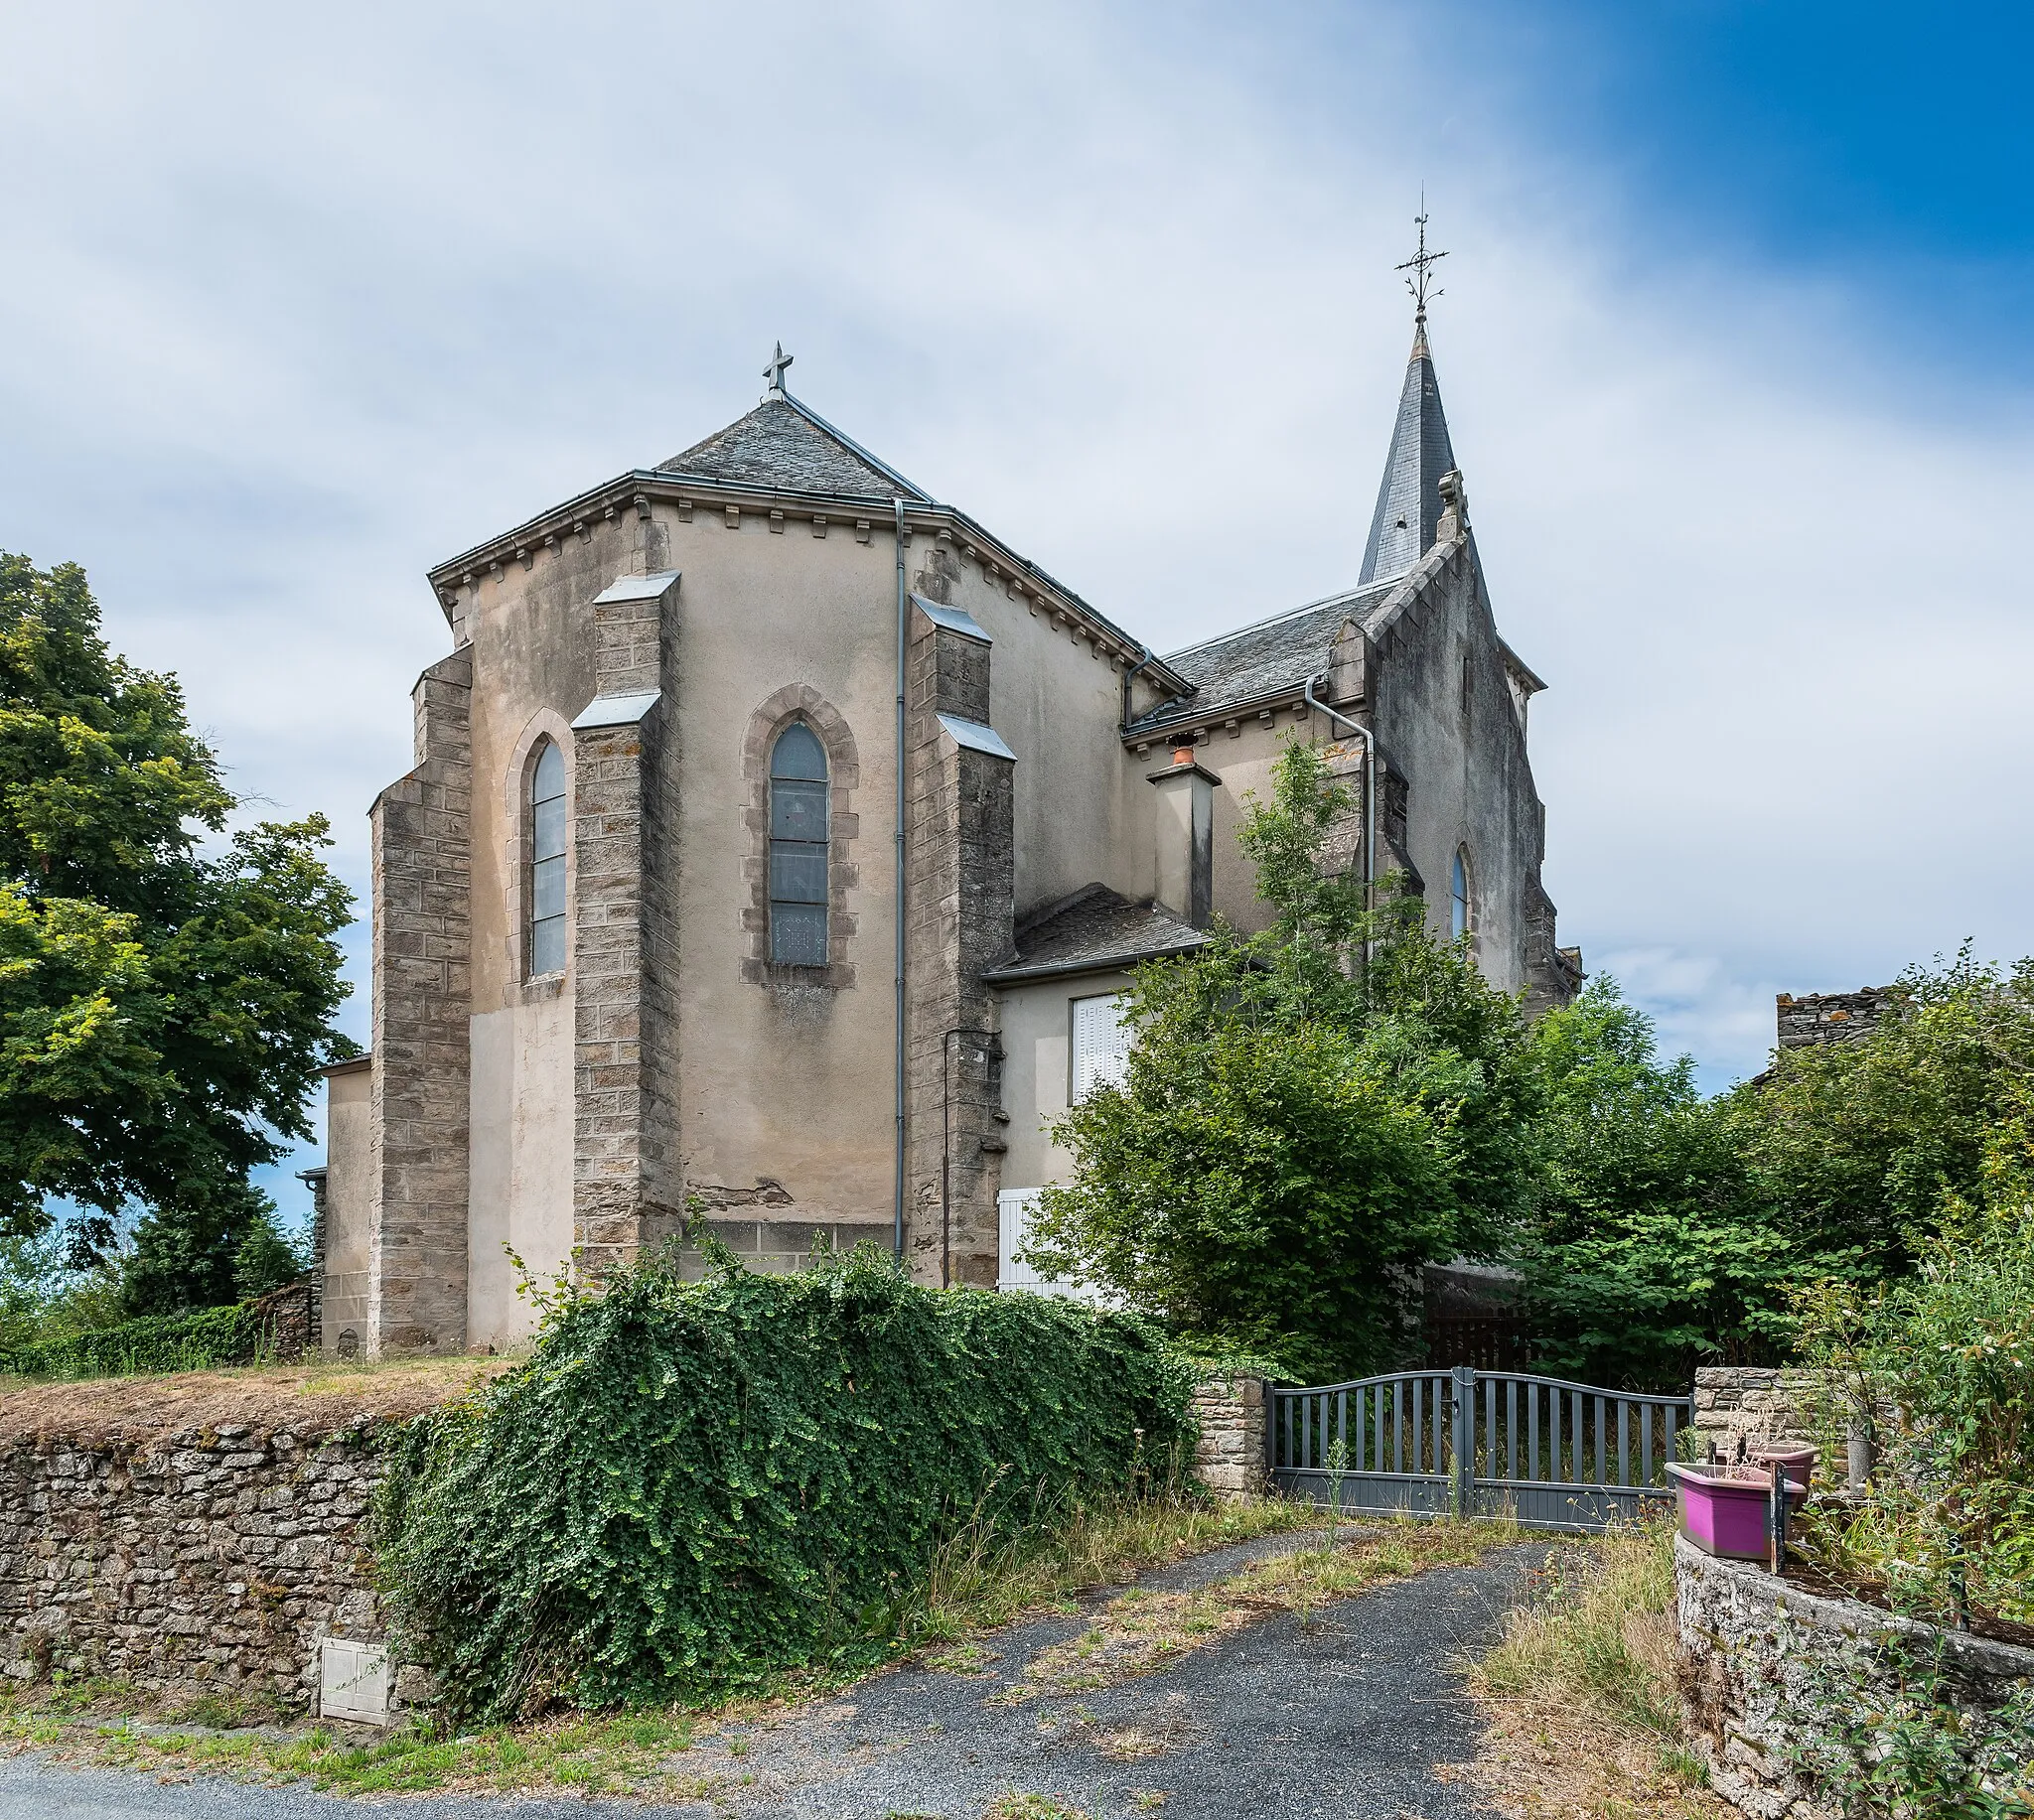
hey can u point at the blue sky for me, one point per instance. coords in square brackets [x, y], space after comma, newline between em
[1734, 350]
[1883, 147]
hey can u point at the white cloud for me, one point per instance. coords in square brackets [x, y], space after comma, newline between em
[301, 306]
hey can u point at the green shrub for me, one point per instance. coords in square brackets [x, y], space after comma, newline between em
[1949, 1355]
[693, 1489]
[211, 1338]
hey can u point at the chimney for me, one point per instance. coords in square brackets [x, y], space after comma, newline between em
[1183, 880]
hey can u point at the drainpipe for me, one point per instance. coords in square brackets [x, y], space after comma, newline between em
[1369, 799]
[903, 641]
[1145, 660]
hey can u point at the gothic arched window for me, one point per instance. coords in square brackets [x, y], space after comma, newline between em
[801, 810]
[1463, 895]
[547, 862]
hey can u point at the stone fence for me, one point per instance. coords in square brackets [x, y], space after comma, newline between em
[207, 1561]
[1756, 1652]
[1762, 1405]
[1230, 1460]
[226, 1559]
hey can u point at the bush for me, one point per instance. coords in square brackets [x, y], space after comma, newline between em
[211, 1338]
[693, 1489]
[1950, 1351]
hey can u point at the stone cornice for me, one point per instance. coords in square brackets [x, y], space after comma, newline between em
[639, 489]
[1187, 725]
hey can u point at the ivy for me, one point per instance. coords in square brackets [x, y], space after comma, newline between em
[694, 1489]
[202, 1342]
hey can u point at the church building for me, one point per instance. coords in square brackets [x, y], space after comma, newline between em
[779, 839]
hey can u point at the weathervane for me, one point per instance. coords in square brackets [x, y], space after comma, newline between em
[774, 372]
[1421, 265]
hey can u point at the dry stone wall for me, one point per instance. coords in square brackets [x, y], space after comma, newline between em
[1761, 1405]
[211, 1560]
[1755, 1650]
[218, 1559]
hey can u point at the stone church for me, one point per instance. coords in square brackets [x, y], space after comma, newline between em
[780, 837]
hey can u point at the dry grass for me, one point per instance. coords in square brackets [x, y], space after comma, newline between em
[1585, 1722]
[319, 1396]
[1141, 1631]
[979, 1582]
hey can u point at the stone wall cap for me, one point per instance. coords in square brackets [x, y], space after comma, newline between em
[639, 586]
[973, 735]
[951, 619]
[620, 710]
[1192, 769]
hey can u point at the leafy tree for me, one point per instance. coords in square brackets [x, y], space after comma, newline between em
[1309, 1114]
[1675, 1229]
[1863, 1144]
[165, 1004]
[1656, 1248]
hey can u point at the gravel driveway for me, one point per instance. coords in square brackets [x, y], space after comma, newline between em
[1359, 1715]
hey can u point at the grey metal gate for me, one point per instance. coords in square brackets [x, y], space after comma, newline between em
[1478, 1444]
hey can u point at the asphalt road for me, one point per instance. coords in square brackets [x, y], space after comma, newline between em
[1358, 1716]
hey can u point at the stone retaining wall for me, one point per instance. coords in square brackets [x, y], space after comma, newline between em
[210, 1560]
[1761, 1404]
[216, 1560]
[1230, 1460]
[1751, 1646]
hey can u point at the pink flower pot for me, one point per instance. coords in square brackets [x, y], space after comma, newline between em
[1723, 1508]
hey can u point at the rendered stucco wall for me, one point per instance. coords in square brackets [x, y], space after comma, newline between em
[1447, 722]
[349, 1200]
[1037, 1024]
[521, 1167]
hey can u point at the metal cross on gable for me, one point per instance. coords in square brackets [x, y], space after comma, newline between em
[1421, 266]
[774, 372]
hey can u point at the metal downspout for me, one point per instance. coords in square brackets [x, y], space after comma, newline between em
[1146, 658]
[1369, 799]
[898, 894]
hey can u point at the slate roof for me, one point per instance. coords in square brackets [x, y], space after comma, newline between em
[1409, 497]
[784, 447]
[1090, 932]
[1273, 656]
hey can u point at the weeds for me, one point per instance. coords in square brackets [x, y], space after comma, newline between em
[978, 1581]
[1586, 1719]
[1142, 1632]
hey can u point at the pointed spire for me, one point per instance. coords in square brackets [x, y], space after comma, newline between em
[1409, 500]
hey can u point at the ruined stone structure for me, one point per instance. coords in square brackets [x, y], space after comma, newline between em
[779, 838]
[1829, 1016]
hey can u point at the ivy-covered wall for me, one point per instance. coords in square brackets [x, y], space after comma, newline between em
[694, 1488]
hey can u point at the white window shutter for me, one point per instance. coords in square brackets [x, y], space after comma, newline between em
[1101, 1044]
[1014, 1207]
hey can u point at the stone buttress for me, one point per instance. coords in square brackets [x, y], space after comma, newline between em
[421, 835]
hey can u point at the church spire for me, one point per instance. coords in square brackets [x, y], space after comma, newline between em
[1409, 500]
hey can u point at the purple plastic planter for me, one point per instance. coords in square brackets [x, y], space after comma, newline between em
[1723, 1508]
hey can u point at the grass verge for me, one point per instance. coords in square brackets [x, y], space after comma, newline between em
[1584, 1720]
[976, 1584]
